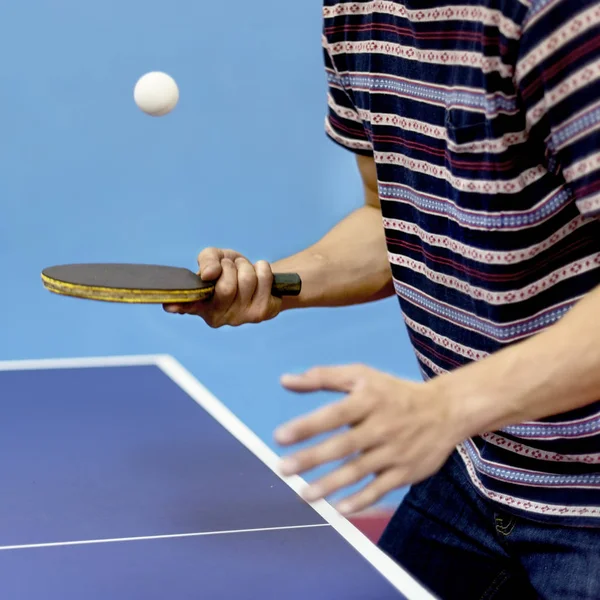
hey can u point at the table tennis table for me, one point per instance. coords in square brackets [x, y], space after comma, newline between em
[125, 478]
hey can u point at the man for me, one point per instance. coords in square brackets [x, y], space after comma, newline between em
[476, 127]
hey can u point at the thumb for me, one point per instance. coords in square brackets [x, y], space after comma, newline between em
[209, 263]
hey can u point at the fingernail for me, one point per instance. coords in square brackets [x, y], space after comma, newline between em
[171, 308]
[289, 379]
[313, 493]
[345, 507]
[285, 436]
[289, 466]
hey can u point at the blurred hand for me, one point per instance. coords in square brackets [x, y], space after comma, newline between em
[392, 431]
[242, 291]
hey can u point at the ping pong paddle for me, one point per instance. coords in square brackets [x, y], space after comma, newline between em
[143, 284]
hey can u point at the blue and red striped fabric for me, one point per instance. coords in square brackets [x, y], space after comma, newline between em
[483, 117]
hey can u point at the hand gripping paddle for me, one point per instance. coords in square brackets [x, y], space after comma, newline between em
[143, 284]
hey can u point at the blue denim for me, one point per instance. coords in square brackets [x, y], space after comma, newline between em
[463, 547]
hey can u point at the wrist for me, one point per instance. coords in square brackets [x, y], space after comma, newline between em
[506, 388]
[309, 267]
[466, 404]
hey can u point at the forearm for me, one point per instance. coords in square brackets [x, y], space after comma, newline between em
[550, 373]
[348, 266]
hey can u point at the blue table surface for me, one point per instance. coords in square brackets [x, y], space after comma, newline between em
[124, 452]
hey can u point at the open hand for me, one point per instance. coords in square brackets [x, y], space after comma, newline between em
[399, 432]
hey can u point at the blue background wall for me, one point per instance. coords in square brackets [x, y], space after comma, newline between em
[242, 162]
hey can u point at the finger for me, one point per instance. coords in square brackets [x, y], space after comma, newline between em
[333, 379]
[263, 292]
[224, 295]
[175, 309]
[226, 287]
[209, 263]
[349, 473]
[185, 308]
[372, 493]
[329, 418]
[247, 281]
[334, 448]
[189, 308]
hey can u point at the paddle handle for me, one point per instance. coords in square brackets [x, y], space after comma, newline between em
[286, 284]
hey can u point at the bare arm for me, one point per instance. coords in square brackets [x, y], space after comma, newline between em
[349, 265]
[555, 371]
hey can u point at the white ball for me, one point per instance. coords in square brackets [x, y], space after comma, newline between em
[156, 93]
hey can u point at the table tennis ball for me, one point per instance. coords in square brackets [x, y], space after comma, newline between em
[156, 93]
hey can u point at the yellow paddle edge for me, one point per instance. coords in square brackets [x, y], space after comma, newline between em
[125, 295]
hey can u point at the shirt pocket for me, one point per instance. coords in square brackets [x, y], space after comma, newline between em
[467, 132]
[487, 154]
[484, 165]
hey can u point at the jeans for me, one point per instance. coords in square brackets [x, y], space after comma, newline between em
[463, 547]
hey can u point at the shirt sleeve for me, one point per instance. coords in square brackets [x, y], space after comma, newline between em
[343, 124]
[558, 80]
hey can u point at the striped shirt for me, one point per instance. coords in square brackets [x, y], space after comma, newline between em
[483, 118]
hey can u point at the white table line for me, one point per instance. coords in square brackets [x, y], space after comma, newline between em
[160, 537]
